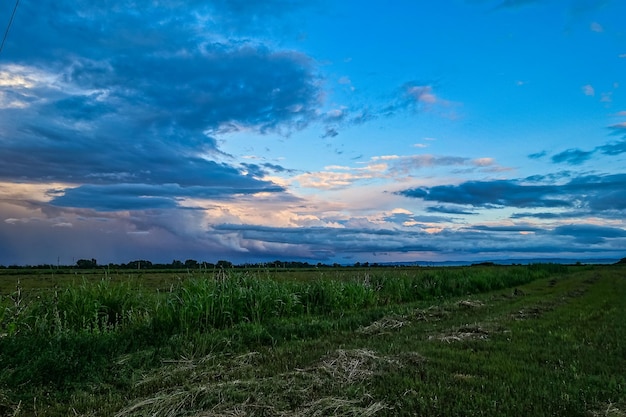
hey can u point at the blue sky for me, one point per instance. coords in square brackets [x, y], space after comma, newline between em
[318, 131]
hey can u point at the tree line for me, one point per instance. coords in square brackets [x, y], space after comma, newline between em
[141, 264]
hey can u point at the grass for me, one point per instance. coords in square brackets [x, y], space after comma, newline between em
[489, 341]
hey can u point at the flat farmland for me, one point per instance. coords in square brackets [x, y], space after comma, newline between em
[541, 340]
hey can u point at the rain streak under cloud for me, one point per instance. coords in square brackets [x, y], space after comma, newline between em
[316, 131]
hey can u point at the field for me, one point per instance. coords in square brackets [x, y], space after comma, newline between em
[533, 340]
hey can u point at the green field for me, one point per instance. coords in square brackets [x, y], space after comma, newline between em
[535, 340]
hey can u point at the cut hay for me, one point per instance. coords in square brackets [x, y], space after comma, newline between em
[473, 332]
[432, 313]
[228, 388]
[532, 312]
[331, 406]
[608, 410]
[384, 325]
[470, 304]
[350, 366]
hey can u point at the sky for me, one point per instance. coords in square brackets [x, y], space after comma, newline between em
[318, 131]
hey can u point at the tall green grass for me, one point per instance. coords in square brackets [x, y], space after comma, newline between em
[222, 300]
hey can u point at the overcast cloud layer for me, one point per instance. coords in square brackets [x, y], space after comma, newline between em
[314, 131]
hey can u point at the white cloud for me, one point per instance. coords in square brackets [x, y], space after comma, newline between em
[423, 94]
[483, 162]
[63, 224]
[596, 27]
[607, 97]
[385, 157]
[588, 90]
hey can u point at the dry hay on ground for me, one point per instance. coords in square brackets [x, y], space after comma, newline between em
[227, 386]
[468, 332]
[350, 366]
[432, 313]
[469, 304]
[384, 325]
[608, 410]
[531, 312]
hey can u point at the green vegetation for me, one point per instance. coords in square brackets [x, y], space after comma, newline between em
[485, 340]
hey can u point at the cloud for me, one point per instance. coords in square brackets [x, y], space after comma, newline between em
[590, 234]
[393, 167]
[596, 27]
[111, 197]
[592, 192]
[450, 210]
[497, 193]
[618, 128]
[588, 90]
[577, 156]
[517, 3]
[421, 93]
[144, 103]
[415, 96]
[518, 228]
[572, 156]
[613, 148]
[414, 240]
[330, 133]
[410, 97]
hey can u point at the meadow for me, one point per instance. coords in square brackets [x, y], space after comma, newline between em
[488, 340]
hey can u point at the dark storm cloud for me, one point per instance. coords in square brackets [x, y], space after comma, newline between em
[592, 192]
[109, 93]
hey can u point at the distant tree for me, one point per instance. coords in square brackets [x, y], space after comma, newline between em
[208, 265]
[177, 264]
[139, 264]
[191, 263]
[224, 264]
[87, 263]
[484, 264]
[622, 261]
